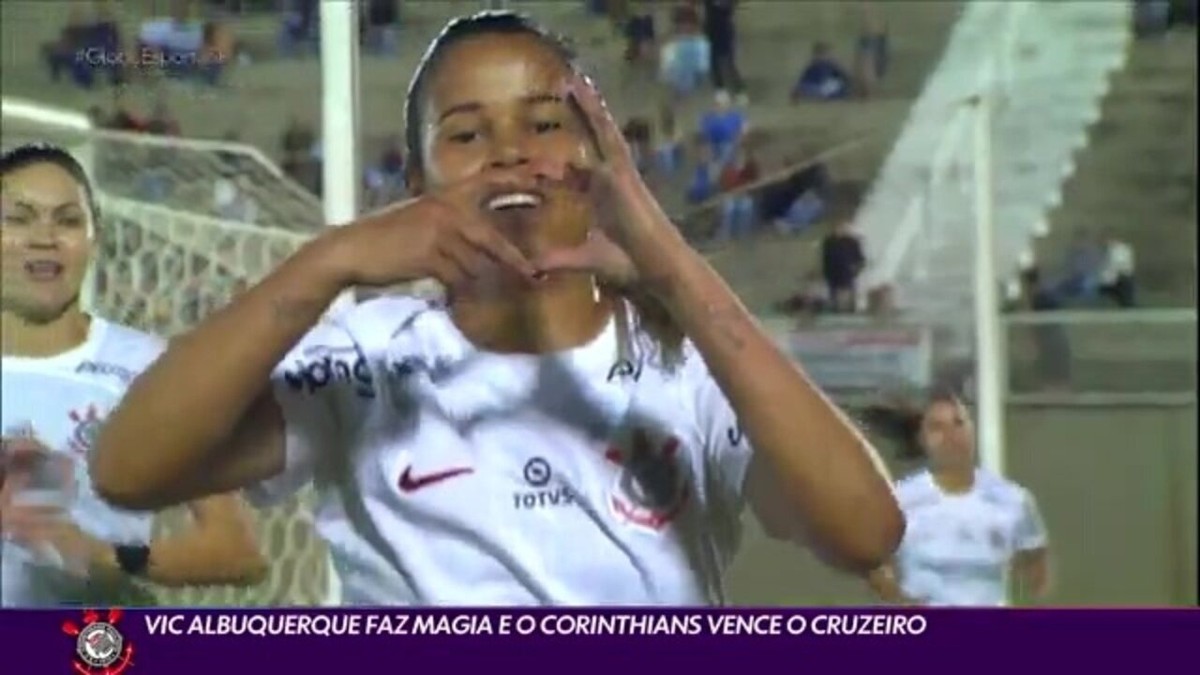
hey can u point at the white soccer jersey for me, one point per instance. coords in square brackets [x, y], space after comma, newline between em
[451, 476]
[957, 547]
[63, 400]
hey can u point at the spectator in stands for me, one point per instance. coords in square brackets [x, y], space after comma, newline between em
[668, 150]
[177, 39]
[722, 127]
[871, 56]
[1151, 18]
[86, 46]
[305, 170]
[686, 57]
[220, 48]
[297, 144]
[298, 137]
[1082, 265]
[842, 260]
[721, 31]
[298, 27]
[640, 33]
[798, 201]
[385, 180]
[737, 206]
[1116, 275]
[380, 19]
[1183, 13]
[705, 176]
[823, 79]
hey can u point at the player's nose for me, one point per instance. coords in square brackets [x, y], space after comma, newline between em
[509, 151]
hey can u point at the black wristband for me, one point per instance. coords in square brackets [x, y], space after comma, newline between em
[133, 560]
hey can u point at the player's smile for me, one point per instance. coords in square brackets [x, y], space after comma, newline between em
[44, 271]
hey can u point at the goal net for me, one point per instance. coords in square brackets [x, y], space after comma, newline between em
[171, 249]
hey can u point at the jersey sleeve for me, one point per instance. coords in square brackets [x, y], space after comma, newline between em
[325, 387]
[1031, 529]
[315, 386]
[725, 450]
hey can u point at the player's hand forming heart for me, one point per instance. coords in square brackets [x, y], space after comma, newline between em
[627, 216]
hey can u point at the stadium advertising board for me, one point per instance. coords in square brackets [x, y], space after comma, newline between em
[855, 359]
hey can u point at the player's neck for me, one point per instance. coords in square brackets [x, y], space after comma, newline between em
[20, 336]
[559, 316]
[954, 481]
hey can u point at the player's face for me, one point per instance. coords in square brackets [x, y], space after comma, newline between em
[947, 435]
[47, 240]
[500, 101]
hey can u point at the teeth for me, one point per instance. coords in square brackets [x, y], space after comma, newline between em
[44, 267]
[513, 200]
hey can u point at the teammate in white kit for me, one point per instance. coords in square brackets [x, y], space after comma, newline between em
[62, 370]
[967, 529]
[549, 436]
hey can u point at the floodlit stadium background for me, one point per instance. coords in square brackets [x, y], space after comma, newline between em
[1092, 125]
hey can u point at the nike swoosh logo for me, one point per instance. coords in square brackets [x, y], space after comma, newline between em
[411, 483]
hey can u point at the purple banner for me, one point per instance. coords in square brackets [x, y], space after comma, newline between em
[743, 641]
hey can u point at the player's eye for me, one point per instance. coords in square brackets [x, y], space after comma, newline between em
[71, 221]
[463, 136]
[547, 126]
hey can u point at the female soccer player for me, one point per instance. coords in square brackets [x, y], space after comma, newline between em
[62, 370]
[548, 436]
[967, 527]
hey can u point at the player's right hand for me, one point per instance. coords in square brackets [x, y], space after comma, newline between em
[443, 234]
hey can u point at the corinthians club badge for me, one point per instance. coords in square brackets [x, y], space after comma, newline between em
[99, 644]
[100, 649]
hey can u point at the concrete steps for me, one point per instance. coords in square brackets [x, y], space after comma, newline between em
[1137, 177]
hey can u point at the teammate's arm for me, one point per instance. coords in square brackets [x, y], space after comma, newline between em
[1031, 572]
[1031, 560]
[218, 547]
[202, 419]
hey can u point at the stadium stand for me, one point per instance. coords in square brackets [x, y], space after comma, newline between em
[258, 98]
[1144, 146]
[1034, 142]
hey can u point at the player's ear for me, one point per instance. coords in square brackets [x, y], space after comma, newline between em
[94, 226]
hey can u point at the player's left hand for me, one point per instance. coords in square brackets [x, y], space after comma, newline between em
[626, 212]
